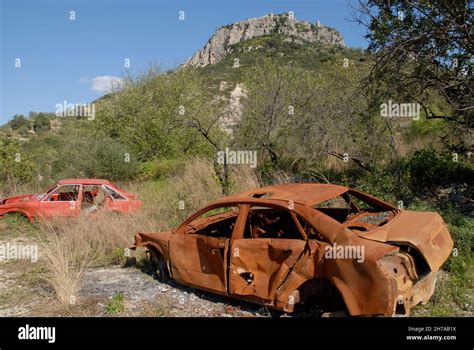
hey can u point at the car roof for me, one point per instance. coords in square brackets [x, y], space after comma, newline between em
[85, 182]
[304, 193]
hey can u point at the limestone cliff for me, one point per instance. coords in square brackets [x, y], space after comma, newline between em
[220, 43]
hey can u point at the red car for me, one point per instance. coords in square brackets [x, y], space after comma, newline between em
[70, 197]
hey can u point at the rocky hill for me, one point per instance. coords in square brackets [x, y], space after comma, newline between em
[221, 42]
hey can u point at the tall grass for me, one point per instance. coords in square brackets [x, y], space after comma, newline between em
[66, 256]
[70, 246]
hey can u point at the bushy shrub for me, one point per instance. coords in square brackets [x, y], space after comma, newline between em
[15, 165]
[19, 121]
[41, 123]
[95, 158]
[430, 170]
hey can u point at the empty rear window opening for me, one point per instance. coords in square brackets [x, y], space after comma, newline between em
[355, 212]
[264, 222]
[114, 194]
[217, 222]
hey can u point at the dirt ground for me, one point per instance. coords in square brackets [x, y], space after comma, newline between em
[24, 291]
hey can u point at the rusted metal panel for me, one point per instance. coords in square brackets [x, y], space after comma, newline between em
[307, 194]
[423, 230]
[199, 261]
[259, 266]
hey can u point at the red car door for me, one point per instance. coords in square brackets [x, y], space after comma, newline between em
[64, 201]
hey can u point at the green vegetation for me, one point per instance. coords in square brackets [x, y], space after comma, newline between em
[314, 57]
[116, 304]
[309, 112]
[15, 165]
[423, 47]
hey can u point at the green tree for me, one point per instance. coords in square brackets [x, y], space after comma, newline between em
[146, 115]
[41, 123]
[96, 158]
[423, 48]
[15, 165]
[297, 119]
[19, 121]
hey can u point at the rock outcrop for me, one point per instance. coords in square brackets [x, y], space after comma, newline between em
[219, 45]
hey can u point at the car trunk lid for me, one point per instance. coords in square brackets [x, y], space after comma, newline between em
[424, 231]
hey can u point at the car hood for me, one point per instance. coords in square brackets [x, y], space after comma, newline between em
[17, 199]
[425, 231]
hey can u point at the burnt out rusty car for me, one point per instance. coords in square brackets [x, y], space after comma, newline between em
[294, 244]
[71, 197]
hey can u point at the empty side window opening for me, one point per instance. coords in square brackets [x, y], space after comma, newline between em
[64, 193]
[266, 222]
[219, 222]
[114, 194]
[356, 212]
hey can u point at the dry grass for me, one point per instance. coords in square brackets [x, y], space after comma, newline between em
[169, 201]
[243, 177]
[66, 255]
[69, 246]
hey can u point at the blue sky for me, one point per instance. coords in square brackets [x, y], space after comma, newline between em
[73, 61]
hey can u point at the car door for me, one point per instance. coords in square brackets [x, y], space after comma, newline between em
[61, 202]
[261, 259]
[199, 249]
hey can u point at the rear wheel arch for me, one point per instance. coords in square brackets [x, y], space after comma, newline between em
[347, 296]
[325, 292]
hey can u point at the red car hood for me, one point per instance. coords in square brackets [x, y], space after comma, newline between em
[425, 231]
[17, 199]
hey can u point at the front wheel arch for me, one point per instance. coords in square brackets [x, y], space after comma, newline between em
[19, 213]
[158, 262]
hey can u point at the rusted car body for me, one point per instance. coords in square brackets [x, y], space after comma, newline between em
[71, 197]
[287, 244]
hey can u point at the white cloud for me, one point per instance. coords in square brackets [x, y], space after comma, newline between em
[103, 83]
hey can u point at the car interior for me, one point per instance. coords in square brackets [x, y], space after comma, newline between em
[114, 194]
[270, 223]
[93, 196]
[218, 222]
[65, 194]
[262, 222]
